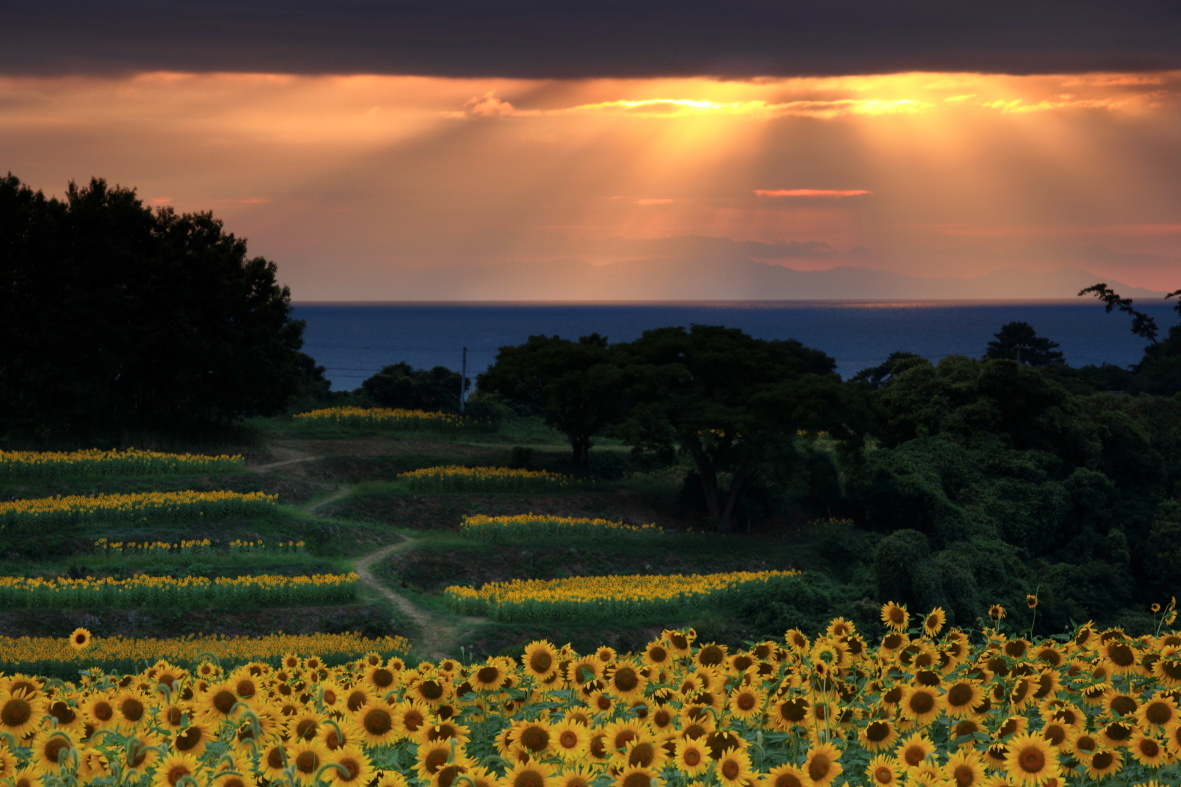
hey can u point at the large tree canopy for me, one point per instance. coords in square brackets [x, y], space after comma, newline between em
[401, 385]
[734, 404]
[575, 385]
[118, 319]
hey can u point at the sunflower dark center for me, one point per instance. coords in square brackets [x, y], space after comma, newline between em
[819, 766]
[378, 722]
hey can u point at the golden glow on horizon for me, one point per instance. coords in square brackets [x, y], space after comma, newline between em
[913, 172]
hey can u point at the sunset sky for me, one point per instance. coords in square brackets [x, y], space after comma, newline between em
[364, 144]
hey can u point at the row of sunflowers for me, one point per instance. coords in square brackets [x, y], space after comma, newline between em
[922, 707]
[604, 598]
[140, 507]
[193, 592]
[97, 463]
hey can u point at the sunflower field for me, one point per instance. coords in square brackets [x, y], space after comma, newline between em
[95, 463]
[531, 527]
[384, 419]
[49, 655]
[147, 592]
[458, 478]
[921, 707]
[606, 598]
[37, 513]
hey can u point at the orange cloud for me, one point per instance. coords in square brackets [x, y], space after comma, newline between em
[810, 193]
[488, 105]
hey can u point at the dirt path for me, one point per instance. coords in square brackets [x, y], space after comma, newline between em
[437, 638]
[283, 456]
[340, 493]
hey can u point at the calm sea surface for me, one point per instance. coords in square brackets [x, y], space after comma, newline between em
[354, 340]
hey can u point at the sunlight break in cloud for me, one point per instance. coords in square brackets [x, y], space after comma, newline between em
[488, 105]
[810, 193]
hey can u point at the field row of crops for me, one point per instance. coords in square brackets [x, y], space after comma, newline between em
[62, 511]
[95, 463]
[602, 599]
[223, 593]
[920, 707]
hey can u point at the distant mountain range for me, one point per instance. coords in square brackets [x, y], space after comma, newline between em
[734, 279]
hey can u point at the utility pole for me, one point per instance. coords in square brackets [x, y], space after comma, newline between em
[463, 381]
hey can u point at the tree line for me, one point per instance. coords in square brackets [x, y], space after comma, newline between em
[120, 320]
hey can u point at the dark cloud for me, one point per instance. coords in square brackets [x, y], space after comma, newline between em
[612, 38]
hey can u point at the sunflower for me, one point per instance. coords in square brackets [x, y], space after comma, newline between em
[433, 757]
[175, 767]
[351, 765]
[895, 616]
[747, 703]
[690, 757]
[302, 725]
[80, 639]
[1148, 751]
[219, 703]
[787, 713]
[1030, 760]
[878, 735]
[934, 622]
[576, 777]
[540, 659]
[534, 737]
[797, 641]
[680, 641]
[921, 704]
[488, 677]
[193, 738]
[377, 722]
[584, 670]
[821, 764]
[1102, 763]
[1116, 733]
[626, 682]
[21, 711]
[49, 751]
[996, 613]
[431, 690]
[390, 778]
[619, 733]
[1158, 712]
[882, 771]
[961, 697]
[1120, 704]
[1119, 656]
[232, 779]
[569, 740]
[25, 777]
[965, 768]
[1167, 669]
[785, 776]
[914, 751]
[530, 774]
[643, 752]
[636, 777]
[306, 758]
[141, 752]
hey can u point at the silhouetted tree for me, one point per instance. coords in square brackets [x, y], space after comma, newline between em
[119, 319]
[574, 385]
[734, 404]
[400, 385]
[1020, 342]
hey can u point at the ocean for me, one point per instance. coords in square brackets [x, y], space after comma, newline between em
[354, 340]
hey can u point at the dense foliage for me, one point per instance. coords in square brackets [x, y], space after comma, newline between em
[120, 320]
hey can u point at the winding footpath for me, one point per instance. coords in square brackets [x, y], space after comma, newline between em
[438, 637]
